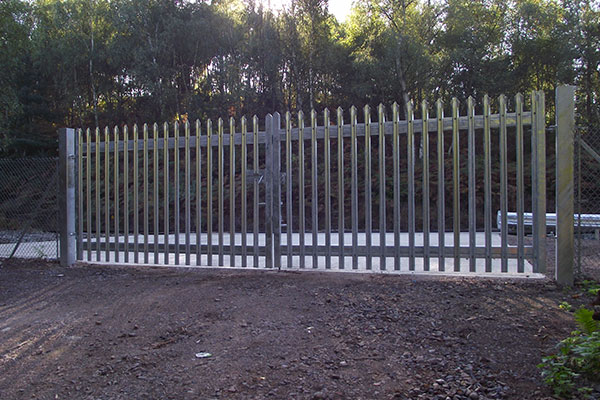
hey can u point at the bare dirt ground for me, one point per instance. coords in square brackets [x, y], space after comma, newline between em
[94, 332]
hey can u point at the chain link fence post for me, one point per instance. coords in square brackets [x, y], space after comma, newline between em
[565, 127]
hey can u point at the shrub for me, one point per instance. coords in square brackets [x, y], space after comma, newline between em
[577, 363]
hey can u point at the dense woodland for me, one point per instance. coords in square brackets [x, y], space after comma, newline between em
[97, 62]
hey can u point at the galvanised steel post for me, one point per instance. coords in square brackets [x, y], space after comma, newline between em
[66, 165]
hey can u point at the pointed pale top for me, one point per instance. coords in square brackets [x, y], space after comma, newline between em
[381, 112]
[244, 123]
[340, 116]
[300, 119]
[410, 112]
[395, 112]
[519, 97]
[502, 102]
[471, 106]
[353, 117]
[439, 109]
[116, 130]
[106, 130]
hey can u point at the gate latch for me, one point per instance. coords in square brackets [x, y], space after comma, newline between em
[257, 175]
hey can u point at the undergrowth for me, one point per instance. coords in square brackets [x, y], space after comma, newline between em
[575, 368]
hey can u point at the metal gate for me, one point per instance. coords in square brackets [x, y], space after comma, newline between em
[410, 194]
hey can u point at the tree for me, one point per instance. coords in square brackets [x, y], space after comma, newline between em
[14, 47]
[584, 19]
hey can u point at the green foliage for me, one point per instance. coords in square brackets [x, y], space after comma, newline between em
[575, 366]
[14, 30]
[584, 318]
[98, 62]
[558, 375]
[565, 306]
[591, 287]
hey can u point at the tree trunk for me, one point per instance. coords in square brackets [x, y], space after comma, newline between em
[403, 90]
[93, 86]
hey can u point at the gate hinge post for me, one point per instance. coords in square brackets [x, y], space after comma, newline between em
[66, 196]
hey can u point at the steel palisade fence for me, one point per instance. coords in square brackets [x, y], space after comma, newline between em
[383, 195]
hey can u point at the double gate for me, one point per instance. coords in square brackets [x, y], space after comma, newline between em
[359, 190]
[305, 192]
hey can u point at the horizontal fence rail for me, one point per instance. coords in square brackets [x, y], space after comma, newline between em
[388, 128]
[320, 191]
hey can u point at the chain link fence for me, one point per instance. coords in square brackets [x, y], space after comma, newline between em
[587, 202]
[29, 208]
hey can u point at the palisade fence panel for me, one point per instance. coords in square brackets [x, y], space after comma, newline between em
[420, 187]
[29, 208]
